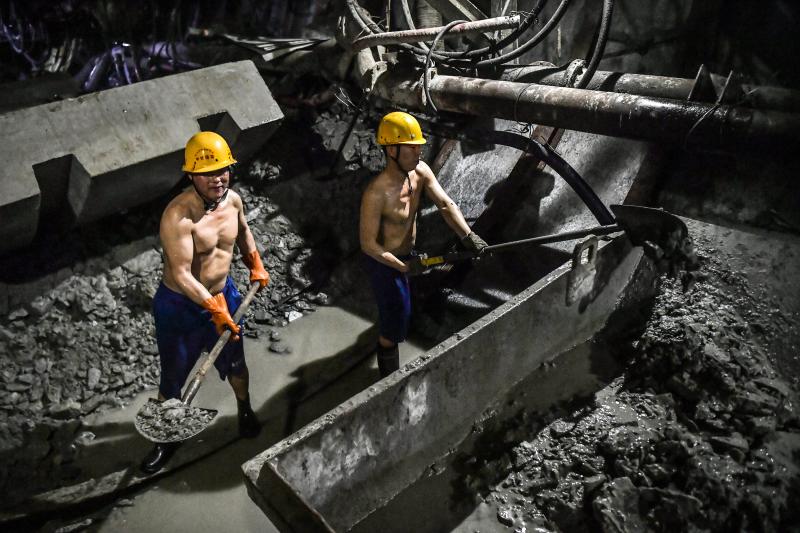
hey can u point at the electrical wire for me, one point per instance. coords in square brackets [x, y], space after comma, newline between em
[460, 58]
[539, 37]
[526, 23]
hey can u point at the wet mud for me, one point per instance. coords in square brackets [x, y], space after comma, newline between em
[699, 433]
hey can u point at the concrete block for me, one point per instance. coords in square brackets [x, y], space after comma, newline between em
[78, 160]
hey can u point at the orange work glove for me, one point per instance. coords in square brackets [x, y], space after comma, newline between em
[257, 271]
[220, 316]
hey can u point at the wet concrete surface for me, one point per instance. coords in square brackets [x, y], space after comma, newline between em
[208, 493]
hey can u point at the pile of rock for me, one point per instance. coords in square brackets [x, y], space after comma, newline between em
[697, 434]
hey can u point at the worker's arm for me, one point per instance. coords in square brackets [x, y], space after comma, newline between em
[449, 210]
[247, 246]
[369, 226]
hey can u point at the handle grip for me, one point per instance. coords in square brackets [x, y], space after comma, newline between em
[209, 359]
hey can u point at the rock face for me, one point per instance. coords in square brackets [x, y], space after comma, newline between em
[698, 434]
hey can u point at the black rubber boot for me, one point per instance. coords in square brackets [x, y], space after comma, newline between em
[249, 426]
[158, 457]
[388, 359]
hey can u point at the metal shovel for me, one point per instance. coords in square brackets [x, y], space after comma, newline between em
[173, 421]
[659, 232]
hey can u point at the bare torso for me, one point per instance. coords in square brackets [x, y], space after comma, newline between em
[213, 235]
[398, 227]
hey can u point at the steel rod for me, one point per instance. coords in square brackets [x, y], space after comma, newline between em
[428, 34]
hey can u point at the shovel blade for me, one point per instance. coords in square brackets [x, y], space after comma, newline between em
[664, 237]
[171, 420]
[648, 224]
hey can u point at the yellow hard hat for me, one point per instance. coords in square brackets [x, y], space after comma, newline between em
[206, 151]
[399, 128]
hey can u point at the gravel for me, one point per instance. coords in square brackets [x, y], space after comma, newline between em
[171, 420]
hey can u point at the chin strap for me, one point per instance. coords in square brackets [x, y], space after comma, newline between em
[396, 162]
[210, 205]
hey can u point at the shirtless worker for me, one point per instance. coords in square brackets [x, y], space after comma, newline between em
[196, 298]
[388, 228]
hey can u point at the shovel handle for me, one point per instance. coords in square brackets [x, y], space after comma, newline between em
[209, 359]
[452, 257]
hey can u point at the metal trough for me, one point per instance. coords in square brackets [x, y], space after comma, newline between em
[338, 470]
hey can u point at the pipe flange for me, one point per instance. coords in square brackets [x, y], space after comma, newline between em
[575, 68]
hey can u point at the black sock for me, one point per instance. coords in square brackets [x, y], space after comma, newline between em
[243, 405]
[388, 359]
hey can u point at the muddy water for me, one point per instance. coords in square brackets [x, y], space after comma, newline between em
[448, 498]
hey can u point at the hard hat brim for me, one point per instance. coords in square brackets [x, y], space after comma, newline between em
[210, 167]
[420, 141]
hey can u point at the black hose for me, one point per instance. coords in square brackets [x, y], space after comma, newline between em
[526, 23]
[549, 156]
[599, 46]
[546, 153]
[370, 27]
[454, 58]
[539, 37]
[428, 60]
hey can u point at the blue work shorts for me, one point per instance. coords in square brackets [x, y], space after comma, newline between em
[393, 296]
[184, 330]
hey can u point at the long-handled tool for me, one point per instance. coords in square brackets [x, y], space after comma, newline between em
[662, 234]
[175, 421]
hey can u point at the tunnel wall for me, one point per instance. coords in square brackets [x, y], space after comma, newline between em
[337, 470]
[77, 160]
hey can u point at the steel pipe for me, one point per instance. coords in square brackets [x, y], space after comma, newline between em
[615, 114]
[428, 34]
[759, 96]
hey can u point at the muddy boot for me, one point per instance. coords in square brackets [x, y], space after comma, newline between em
[249, 426]
[388, 359]
[158, 457]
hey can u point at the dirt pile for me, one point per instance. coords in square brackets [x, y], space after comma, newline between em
[699, 433]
